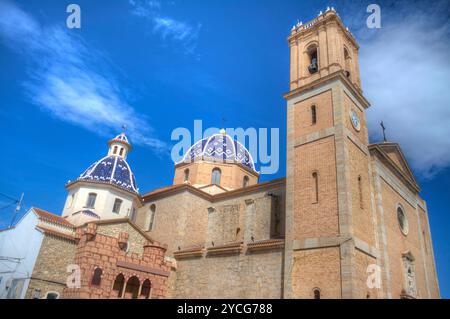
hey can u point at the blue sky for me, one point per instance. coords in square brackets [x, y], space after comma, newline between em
[159, 65]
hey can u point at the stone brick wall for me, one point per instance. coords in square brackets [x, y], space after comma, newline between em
[225, 224]
[136, 241]
[200, 173]
[311, 218]
[398, 244]
[49, 273]
[362, 215]
[316, 268]
[362, 291]
[181, 220]
[429, 256]
[252, 275]
[303, 117]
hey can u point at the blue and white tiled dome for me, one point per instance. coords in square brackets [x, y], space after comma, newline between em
[220, 147]
[114, 170]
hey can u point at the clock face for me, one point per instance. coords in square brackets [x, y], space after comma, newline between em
[355, 120]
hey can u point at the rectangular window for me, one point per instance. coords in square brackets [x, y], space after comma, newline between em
[361, 202]
[90, 203]
[315, 187]
[116, 207]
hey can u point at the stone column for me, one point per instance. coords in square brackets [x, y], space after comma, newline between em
[294, 64]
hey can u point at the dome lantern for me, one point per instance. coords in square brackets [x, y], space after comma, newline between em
[119, 146]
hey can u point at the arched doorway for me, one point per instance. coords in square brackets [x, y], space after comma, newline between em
[146, 288]
[119, 282]
[132, 288]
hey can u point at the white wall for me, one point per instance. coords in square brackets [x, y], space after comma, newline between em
[24, 241]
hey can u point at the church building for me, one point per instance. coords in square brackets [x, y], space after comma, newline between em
[347, 221]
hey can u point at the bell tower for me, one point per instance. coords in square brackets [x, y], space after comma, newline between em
[322, 47]
[330, 221]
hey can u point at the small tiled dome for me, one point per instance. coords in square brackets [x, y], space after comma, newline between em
[220, 147]
[111, 169]
[121, 138]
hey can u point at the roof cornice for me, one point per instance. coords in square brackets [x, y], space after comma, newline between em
[216, 197]
[340, 75]
[216, 161]
[376, 150]
[316, 23]
[70, 184]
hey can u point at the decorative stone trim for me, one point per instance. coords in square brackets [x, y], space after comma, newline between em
[189, 253]
[323, 80]
[232, 248]
[266, 244]
[217, 197]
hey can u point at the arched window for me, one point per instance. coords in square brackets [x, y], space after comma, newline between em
[315, 177]
[116, 206]
[402, 220]
[313, 115]
[121, 151]
[90, 203]
[313, 66]
[316, 292]
[215, 178]
[97, 277]
[119, 282]
[132, 288]
[151, 220]
[245, 181]
[360, 192]
[115, 150]
[186, 175]
[347, 62]
[146, 288]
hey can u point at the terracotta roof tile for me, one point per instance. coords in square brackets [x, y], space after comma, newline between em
[162, 189]
[52, 217]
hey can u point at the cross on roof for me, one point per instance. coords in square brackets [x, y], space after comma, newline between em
[384, 131]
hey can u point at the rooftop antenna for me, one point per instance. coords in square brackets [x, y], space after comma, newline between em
[384, 131]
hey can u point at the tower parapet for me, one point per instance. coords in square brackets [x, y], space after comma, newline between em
[321, 47]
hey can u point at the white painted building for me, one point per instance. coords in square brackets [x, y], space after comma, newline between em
[19, 248]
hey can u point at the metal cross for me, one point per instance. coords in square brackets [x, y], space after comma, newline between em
[384, 130]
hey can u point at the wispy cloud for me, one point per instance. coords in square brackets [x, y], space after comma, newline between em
[168, 28]
[63, 79]
[405, 69]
